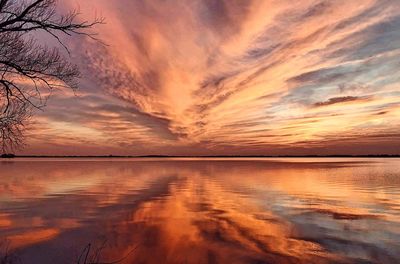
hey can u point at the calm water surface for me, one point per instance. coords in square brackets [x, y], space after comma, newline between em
[201, 211]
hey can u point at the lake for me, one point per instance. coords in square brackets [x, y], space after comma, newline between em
[170, 210]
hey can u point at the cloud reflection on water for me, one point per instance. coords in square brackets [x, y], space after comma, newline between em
[203, 211]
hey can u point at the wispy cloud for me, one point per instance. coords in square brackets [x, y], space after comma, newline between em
[341, 99]
[236, 76]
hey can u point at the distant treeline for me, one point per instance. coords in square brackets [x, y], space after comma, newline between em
[205, 156]
[8, 156]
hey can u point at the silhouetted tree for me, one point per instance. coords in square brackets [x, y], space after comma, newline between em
[29, 70]
[12, 124]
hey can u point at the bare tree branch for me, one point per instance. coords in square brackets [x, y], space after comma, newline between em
[29, 70]
[12, 124]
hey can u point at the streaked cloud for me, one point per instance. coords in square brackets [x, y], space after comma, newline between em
[342, 99]
[232, 77]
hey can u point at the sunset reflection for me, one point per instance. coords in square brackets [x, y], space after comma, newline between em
[202, 211]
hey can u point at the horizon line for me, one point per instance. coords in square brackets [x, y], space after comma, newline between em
[205, 156]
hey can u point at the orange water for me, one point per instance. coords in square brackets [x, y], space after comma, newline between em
[298, 210]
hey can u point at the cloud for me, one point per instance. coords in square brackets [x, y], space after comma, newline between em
[209, 76]
[338, 100]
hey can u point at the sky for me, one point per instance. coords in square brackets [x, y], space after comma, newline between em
[229, 77]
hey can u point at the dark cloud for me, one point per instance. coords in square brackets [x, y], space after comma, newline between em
[323, 76]
[317, 10]
[224, 17]
[338, 100]
[89, 110]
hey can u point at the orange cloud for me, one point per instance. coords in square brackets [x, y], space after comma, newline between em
[207, 76]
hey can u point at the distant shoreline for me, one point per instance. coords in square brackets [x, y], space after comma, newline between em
[208, 156]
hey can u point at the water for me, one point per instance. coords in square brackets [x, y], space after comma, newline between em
[308, 210]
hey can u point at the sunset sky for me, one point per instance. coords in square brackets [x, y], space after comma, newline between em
[209, 77]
